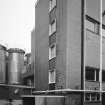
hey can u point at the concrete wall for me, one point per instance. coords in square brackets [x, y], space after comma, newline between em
[68, 42]
[92, 85]
[68, 39]
[73, 58]
[73, 99]
[93, 55]
[61, 40]
[33, 51]
[17, 102]
[92, 49]
[55, 101]
[49, 100]
[39, 100]
[41, 45]
[93, 103]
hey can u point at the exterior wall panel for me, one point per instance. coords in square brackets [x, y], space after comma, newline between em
[61, 44]
[92, 49]
[41, 45]
[73, 58]
[73, 99]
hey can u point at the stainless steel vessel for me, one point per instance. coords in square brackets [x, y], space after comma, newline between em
[15, 65]
[2, 64]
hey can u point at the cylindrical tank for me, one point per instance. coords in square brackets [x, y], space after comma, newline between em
[15, 65]
[2, 64]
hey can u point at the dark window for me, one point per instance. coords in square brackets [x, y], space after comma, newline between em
[52, 86]
[103, 76]
[92, 97]
[87, 96]
[97, 74]
[98, 97]
[92, 74]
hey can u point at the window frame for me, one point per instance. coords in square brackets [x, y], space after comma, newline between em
[103, 71]
[90, 97]
[103, 31]
[96, 25]
[52, 4]
[52, 27]
[52, 53]
[54, 78]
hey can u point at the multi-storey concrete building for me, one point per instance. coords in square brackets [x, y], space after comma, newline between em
[53, 44]
[68, 49]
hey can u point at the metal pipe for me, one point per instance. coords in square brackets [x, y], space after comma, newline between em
[100, 73]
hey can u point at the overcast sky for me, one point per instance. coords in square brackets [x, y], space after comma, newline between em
[17, 19]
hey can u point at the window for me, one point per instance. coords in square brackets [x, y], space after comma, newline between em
[103, 76]
[52, 4]
[52, 77]
[92, 26]
[96, 28]
[52, 51]
[103, 32]
[52, 86]
[52, 27]
[92, 74]
[87, 97]
[92, 97]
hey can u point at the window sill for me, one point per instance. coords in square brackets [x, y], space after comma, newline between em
[91, 81]
[50, 10]
[52, 33]
[52, 83]
[92, 31]
[52, 58]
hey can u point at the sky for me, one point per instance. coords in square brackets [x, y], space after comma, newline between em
[17, 19]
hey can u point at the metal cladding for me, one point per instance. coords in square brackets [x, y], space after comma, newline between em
[15, 65]
[2, 64]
